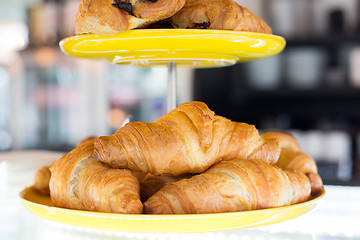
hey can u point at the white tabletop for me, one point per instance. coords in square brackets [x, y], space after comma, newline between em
[336, 217]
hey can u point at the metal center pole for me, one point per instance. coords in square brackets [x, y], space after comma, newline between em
[171, 87]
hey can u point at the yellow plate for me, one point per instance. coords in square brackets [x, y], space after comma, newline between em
[189, 47]
[42, 206]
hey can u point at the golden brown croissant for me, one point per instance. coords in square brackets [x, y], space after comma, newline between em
[42, 178]
[189, 139]
[79, 181]
[293, 159]
[114, 16]
[229, 186]
[150, 184]
[43, 174]
[218, 14]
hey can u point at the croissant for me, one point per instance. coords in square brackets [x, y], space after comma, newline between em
[114, 16]
[229, 186]
[189, 139]
[42, 178]
[79, 181]
[150, 184]
[43, 174]
[292, 158]
[218, 14]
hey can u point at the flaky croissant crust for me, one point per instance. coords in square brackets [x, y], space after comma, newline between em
[229, 186]
[114, 16]
[189, 139]
[102, 17]
[218, 14]
[79, 181]
[292, 158]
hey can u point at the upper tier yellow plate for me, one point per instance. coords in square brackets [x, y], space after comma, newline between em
[191, 223]
[189, 47]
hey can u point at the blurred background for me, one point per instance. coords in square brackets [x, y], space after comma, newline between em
[50, 101]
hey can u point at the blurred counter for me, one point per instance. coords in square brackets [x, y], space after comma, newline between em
[336, 217]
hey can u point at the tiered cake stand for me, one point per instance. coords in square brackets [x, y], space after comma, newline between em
[171, 47]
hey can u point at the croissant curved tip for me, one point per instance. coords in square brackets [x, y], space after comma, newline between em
[156, 207]
[316, 183]
[133, 207]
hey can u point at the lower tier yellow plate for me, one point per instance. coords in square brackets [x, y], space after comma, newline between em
[189, 47]
[191, 223]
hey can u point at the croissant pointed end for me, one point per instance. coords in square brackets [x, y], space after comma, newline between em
[316, 183]
[99, 149]
[157, 207]
[133, 207]
[107, 151]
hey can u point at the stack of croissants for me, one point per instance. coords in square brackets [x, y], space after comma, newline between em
[189, 161]
[114, 16]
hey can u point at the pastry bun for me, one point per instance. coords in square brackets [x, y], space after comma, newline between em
[108, 17]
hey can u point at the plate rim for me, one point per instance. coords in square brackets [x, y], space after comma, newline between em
[199, 32]
[267, 45]
[314, 200]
